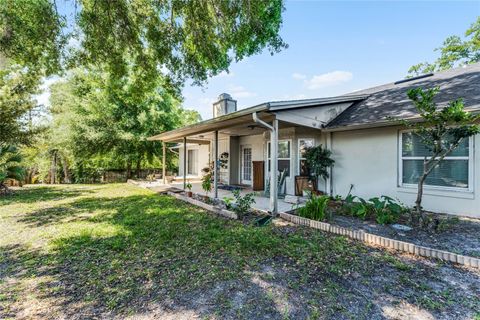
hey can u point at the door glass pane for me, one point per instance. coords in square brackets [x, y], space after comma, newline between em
[247, 164]
[412, 146]
[449, 173]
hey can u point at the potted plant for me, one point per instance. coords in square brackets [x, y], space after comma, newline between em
[207, 184]
[189, 188]
[318, 162]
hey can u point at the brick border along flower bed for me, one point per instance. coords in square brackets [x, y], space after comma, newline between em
[222, 212]
[384, 242]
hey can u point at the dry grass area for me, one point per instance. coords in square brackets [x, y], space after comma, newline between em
[117, 251]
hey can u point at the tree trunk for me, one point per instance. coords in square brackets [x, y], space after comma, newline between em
[53, 168]
[139, 163]
[67, 178]
[129, 169]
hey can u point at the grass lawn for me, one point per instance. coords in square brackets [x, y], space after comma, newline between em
[117, 251]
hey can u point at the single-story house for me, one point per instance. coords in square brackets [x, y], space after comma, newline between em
[373, 155]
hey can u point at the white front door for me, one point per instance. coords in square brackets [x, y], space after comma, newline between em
[246, 165]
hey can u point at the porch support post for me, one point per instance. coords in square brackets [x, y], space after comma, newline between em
[184, 163]
[274, 168]
[164, 161]
[215, 167]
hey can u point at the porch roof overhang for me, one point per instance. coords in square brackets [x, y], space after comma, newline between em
[265, 111]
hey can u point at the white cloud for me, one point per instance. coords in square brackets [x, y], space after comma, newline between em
[299, 76]
[328, 79]
[240, 92]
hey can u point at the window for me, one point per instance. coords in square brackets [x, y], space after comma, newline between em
[452, 173]
[192, 162]
[283, 156]
[303, 144]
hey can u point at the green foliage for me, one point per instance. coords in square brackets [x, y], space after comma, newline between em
[31, 34]
[315, 208]
[101, 122]
[228, 202]
[356, 206]
[188, 185]
[243, 204]
[453, 52]
[192, 39]
[10, 167]
[318, 161]
[207, 183]
[441, 129]
[384, 210]
[17, 87]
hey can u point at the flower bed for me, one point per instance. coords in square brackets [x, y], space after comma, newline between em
[387, 218]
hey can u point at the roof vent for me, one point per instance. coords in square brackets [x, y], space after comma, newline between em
[414, 78]
[224, 105]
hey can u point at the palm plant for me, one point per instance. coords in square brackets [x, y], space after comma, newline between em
[9, 166]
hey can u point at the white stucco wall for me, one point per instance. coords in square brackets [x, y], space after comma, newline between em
[368, 159]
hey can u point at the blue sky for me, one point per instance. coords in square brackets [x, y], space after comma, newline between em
[334, 48]
[339, 47]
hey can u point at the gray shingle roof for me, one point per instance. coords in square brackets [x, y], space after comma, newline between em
[391, 100]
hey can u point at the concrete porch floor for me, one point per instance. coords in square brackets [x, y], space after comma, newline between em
[261, 202]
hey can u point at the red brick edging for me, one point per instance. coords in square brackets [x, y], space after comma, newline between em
[384, 242]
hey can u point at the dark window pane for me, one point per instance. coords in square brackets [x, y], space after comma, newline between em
[449, 173]
[284, 165]
[412, 146]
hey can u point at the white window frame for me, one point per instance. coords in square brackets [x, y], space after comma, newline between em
[278, 158]
[469, 158]
[299, 156]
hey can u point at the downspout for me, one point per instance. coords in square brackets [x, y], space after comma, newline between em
[273, 161]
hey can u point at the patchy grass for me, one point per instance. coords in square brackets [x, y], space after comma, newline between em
[118, 251]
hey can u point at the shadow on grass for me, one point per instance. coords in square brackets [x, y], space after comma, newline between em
[168, 254]
[43, 193]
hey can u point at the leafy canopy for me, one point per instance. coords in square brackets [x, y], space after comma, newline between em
[191, 39]
[17, 87]
[455, 51]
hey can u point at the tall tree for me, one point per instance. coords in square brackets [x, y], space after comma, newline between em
[99, 115]
[441, 131]
[191, 39]
[17, 87]
[455, 51]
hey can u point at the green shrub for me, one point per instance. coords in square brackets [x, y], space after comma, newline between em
[243, 204]
[359, 208]
[315, 208]
[386, 210]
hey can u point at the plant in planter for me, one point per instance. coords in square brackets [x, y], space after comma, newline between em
[315, 208]
[207, 183]
[189, 188]
[318, 161]
[243, 204]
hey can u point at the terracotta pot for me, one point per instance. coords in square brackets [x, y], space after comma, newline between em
[189, 194]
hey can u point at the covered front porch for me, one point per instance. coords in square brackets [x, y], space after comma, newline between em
[261, 202]
[270, 134]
